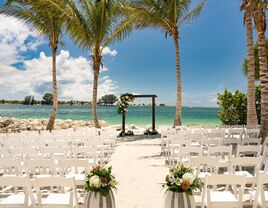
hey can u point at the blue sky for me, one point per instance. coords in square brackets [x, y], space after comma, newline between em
[212, 49]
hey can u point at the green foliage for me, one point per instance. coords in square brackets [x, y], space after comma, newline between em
[103, 181]
[164, 15]
[123, 104]
[234, 107]
[39, 15]
[47, 99]
[108, 100]
[256, 62]
[29, 100]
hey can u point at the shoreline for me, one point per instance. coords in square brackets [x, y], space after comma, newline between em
[13, 125]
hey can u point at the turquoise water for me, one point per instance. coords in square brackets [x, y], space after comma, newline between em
[139, 115]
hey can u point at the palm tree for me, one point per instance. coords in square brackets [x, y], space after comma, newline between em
[256, 61]
[167, 16]
[258, 10]
[252, 119]
[46, 22]
[93, 25]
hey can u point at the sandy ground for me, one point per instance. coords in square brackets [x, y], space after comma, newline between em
[140, 170]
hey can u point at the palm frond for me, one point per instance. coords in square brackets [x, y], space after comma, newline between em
[192, 15]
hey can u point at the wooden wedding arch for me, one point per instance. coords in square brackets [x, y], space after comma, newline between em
[153, 111]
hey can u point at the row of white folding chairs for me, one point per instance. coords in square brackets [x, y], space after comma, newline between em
[60, 134]
[222, 152]
[44, 167]
[79, 152]
[206, 139]
[22, 192]
[216, 135]
[172, 145]
[16, 139]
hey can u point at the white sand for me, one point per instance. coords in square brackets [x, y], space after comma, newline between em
[140, 170]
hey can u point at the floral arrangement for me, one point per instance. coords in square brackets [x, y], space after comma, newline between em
[123, 104]
[183, 179]
[100, 179]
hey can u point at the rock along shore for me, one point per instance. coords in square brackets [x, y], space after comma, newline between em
[8, 125]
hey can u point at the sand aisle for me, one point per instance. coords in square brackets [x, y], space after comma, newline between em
[139, 168]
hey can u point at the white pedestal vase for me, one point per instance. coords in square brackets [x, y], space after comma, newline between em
[178, 200]
[96, 200]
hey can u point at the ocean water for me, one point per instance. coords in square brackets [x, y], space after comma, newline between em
[138, 115]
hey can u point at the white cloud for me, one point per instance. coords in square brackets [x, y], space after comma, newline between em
[108, 51]
[34, 78]
[15, 38]
[74, 76]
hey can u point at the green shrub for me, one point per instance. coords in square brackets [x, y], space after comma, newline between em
[234, 107]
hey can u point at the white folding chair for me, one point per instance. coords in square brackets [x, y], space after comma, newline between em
[65, 195]
[85, 152]
[251, 141]
[74, 168]
[55, 152]
[248, 150]
[184, 152]
[13, 197]
[252, 133]
[224, 153]
[10, 167]
[260, 196]
[229, 197]
[40, 168]
[205, 165]
[246, 166]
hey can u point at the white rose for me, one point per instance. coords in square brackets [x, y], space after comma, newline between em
[188, 177]
[95, 181]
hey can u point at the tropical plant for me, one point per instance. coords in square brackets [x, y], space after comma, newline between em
[167, 16]
[234, 107]
[258, 8]
[93, 25]
[49, 24]
[256, 61]
[251, 107]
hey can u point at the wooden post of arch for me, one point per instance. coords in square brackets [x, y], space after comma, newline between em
[153, 111]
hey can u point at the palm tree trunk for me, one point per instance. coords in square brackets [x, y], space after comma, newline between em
[53, 114]
[96, 70]
[264, 85]
[260, 25]
[177, 121]
[252, 119]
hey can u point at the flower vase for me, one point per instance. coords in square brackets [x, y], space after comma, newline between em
[178, 200]
[96, 200]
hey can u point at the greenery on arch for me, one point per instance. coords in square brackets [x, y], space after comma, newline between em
[124, 101]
